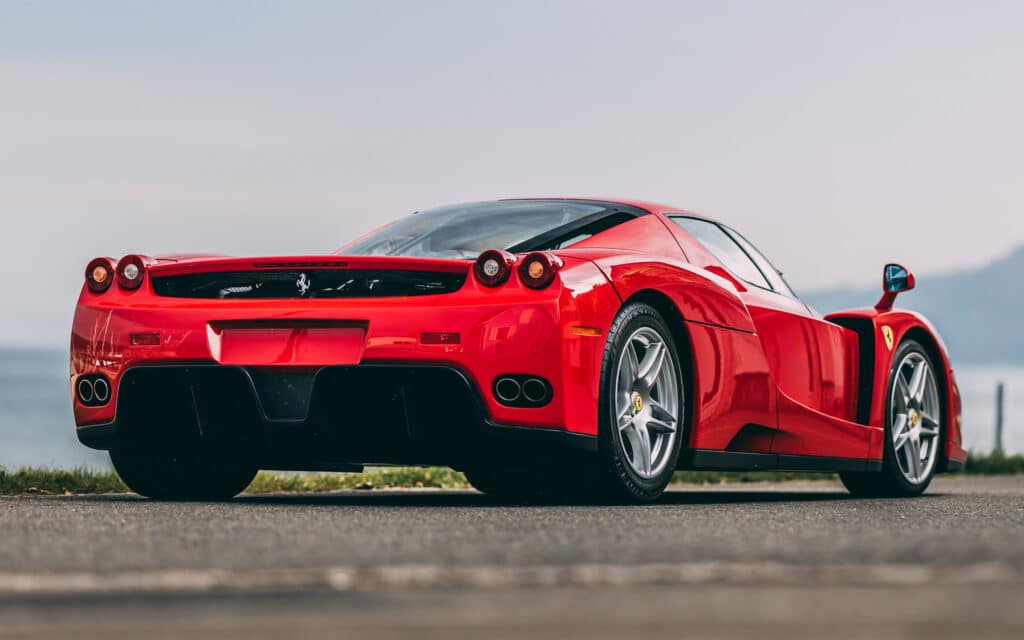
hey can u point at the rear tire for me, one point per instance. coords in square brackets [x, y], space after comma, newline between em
[915, 411]
[191, 476]
[514, 485]
[641, 415]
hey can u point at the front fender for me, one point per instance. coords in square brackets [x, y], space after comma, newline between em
[872, 326]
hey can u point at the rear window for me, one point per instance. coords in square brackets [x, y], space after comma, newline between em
[467, 230]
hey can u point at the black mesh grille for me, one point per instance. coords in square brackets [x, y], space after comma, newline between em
[308, 283]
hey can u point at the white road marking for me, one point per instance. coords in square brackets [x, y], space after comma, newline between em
[187, 581]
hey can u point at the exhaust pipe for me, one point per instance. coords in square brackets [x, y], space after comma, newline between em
[101, 390]
[508, 390]
[86, 391]
[518, 390]
[93, 390]
[535, 390]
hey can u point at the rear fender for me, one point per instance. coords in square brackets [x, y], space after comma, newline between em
[731, 384]
[699, 295]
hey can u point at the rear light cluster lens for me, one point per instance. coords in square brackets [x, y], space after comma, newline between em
[537, 270]
[130, 272]
[493, 267]
[99, 275]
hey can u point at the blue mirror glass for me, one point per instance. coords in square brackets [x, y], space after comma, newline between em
[896, 278]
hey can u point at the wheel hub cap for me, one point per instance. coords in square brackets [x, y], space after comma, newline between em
[915, 412]
[647, 402]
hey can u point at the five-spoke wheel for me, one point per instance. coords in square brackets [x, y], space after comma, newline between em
[914, 405]
[646, 397]
[913, 434]
[642, 406]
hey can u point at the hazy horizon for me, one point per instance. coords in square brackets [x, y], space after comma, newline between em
[836, 136]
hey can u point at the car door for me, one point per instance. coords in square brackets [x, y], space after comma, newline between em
[833, 345]
[807, 355]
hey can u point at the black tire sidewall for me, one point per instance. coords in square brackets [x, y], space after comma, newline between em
[617, 471]
[193, 476]
[890, 465]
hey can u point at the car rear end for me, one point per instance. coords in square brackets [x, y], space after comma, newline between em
[313, 362]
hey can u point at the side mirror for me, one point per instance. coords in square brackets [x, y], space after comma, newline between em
[895, 279]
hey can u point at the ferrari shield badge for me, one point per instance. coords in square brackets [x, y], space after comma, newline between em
[887, 334]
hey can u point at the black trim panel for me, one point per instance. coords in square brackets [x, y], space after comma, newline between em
[949, 465]
[542, 435]
[613, 215]
[97, 436]
[706, 459]
[104, 436]
[865, 330]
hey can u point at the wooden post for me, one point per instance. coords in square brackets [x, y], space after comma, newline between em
[999, 419]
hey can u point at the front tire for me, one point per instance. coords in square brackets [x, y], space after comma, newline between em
[642, 407]
[913, 429]
[190, 476]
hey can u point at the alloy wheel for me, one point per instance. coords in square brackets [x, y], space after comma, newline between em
[915, 413]
[646, 401]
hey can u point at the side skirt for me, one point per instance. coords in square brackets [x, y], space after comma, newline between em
[706, 459]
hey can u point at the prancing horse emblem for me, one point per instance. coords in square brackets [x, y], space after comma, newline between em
[887, 336]
[303, 284]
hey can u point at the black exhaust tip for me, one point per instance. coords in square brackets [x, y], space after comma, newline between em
[93, 390]
[517, 390]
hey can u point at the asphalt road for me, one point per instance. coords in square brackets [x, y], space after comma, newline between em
[775, 560]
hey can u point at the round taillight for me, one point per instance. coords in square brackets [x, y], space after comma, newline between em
[130, 272]
[99, 275]
[493, 267]
[537, 270]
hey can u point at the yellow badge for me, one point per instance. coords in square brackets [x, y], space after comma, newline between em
[638, 403]
[887, 334]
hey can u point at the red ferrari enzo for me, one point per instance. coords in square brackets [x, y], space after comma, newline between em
[573, 347]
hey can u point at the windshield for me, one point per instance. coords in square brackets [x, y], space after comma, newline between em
[467, 230]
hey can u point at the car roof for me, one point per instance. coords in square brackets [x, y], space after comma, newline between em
[653, 207]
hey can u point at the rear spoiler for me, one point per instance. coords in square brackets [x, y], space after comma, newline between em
[386, 263]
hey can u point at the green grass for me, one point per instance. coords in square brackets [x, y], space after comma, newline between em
[388, 478]
[34, 481]
[993, 464]
[28, 481]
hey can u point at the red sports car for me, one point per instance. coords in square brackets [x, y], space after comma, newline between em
[572, 347]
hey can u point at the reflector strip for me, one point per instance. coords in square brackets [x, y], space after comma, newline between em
[585, 331]
[439, 338]
[145, 339]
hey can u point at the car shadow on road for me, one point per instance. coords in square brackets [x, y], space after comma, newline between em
[472, 499]
[469, 498]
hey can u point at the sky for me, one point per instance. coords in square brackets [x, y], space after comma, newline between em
[835, 135]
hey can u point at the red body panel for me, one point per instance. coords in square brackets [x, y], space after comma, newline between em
[508, 329]
[768, 375]
[902, 323]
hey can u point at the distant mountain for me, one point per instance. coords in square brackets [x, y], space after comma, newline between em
[979, 312]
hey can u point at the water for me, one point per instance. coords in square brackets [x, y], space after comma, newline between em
[36, 427]
[978, 390]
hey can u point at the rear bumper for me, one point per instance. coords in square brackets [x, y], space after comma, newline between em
[507, 330]
[395, 414]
